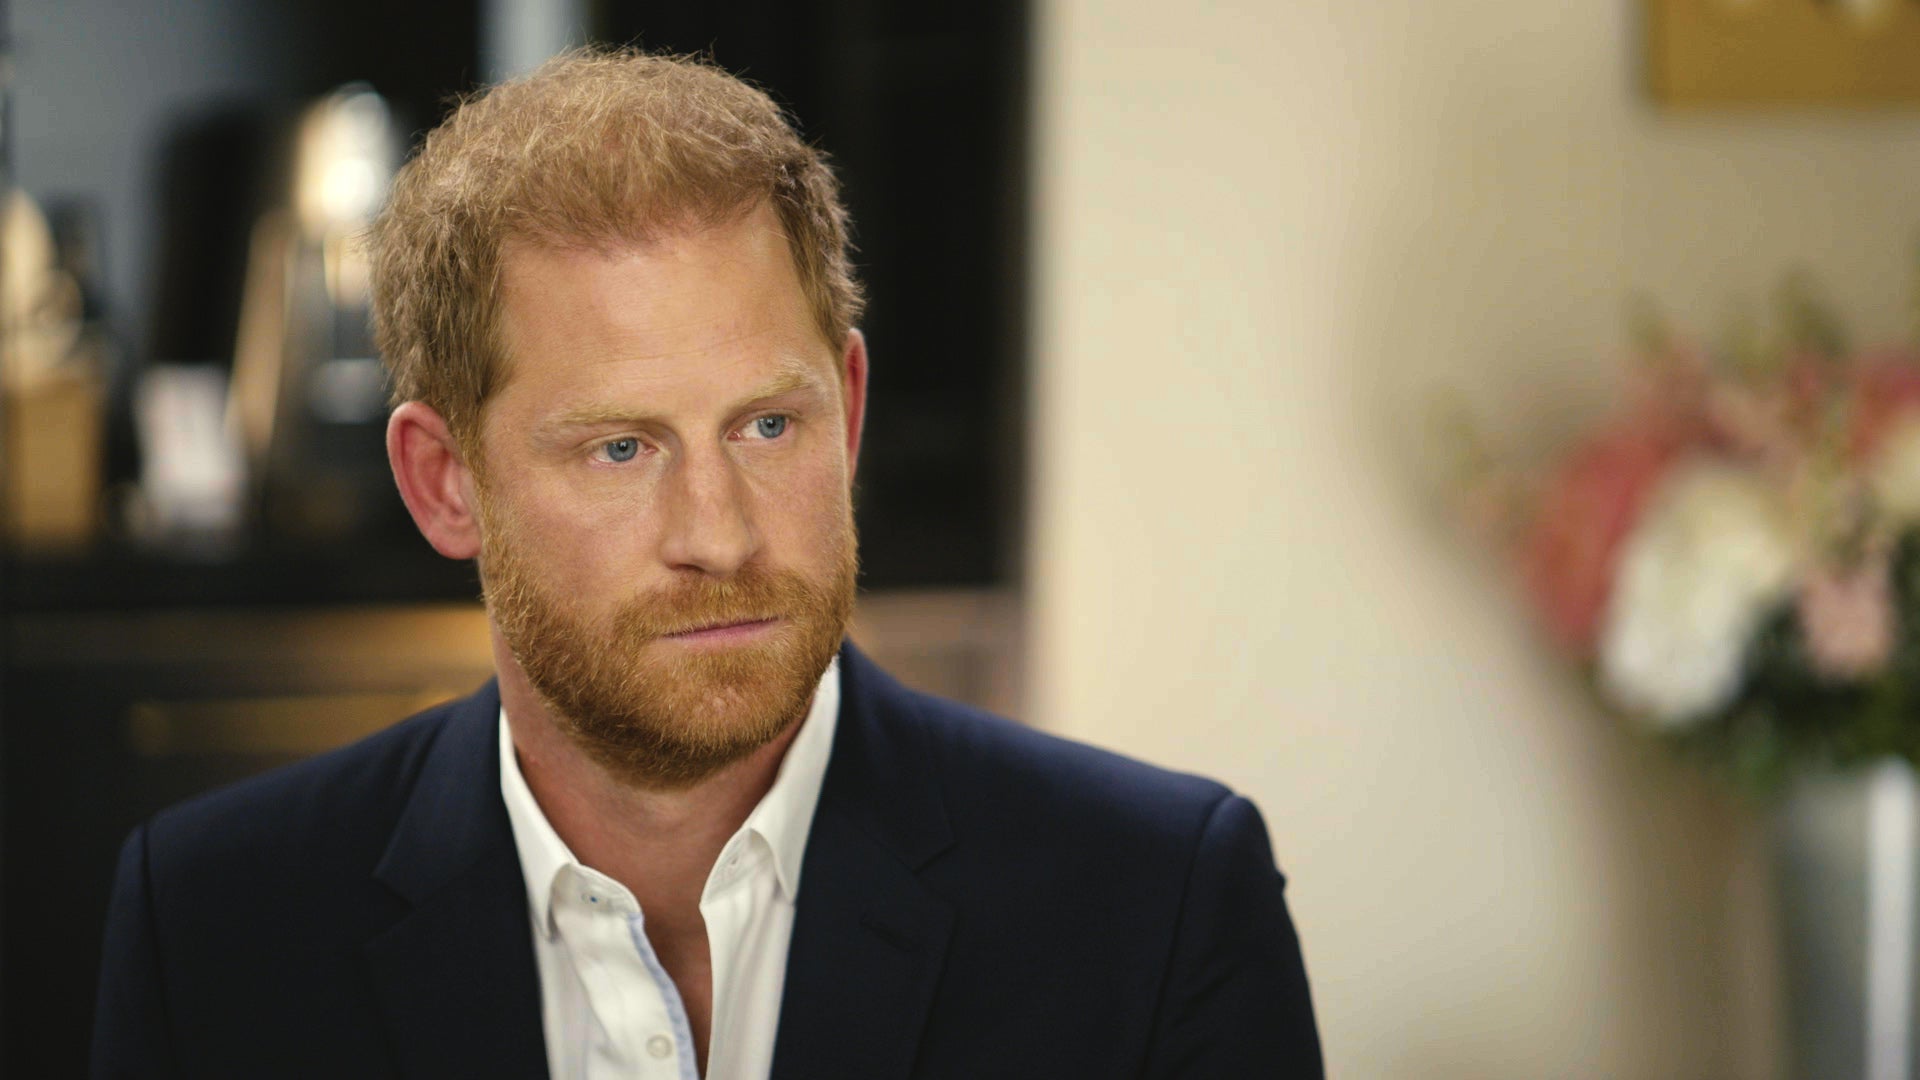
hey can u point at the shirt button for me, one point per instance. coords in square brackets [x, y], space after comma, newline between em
[659, 1046]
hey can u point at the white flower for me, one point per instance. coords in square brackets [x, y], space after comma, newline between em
[1711, 555]
[1895, 473]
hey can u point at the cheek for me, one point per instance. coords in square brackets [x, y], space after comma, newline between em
[598, 507]
[809, 506]
[584, 546]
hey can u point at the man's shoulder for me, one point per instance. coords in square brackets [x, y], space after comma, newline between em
[999, 771]
[970, 738]
[342, 803]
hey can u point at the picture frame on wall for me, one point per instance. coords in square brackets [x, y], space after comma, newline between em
[1707, 53]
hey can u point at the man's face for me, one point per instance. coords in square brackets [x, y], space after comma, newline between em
[667, 533]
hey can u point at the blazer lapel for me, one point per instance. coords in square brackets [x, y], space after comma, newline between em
[869, 937]
[455, 976]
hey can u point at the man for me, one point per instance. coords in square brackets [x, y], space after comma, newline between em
[688, 831]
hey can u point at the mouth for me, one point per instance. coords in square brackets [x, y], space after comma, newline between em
[725, 633]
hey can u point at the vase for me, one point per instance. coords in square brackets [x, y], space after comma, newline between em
[1844, 858]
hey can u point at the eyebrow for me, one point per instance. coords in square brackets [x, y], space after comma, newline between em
[794, 375]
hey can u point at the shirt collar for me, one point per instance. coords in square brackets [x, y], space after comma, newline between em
[783, 818]
[542, 853]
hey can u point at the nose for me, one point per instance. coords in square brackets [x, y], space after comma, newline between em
[707, 524]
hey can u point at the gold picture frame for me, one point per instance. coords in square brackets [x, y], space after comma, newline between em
[1783, 52]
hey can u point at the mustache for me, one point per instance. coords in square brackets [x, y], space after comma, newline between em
[753, 594]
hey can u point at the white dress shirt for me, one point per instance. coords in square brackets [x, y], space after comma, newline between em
[607, 1005]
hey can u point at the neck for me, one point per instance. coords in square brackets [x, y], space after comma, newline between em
[660, 843]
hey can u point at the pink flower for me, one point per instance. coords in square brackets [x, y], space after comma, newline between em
[1807, 378]
[1886, 390]
[1672, 384]
[1847, 618]
[1756, 422]
[1588, 508]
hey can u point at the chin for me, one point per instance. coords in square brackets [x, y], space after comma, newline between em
[669, 718]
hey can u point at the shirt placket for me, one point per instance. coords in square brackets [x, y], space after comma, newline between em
[634, 1002]
[728, 908]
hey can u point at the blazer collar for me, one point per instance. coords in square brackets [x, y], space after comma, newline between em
[461, 960]
[882, 775]
[869, 936]
[454, 814]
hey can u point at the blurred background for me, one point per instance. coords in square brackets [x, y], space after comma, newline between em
[1161, 301]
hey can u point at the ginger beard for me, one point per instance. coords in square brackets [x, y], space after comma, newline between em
[652, 713]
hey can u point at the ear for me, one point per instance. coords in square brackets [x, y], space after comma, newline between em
[853, 379]
[434, 480]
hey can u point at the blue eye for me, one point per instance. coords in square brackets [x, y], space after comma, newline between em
[622, 449]
[770, 427]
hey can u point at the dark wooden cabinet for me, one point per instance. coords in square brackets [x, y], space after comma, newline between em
[109, 717]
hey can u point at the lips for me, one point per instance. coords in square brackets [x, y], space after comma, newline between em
[723, 629]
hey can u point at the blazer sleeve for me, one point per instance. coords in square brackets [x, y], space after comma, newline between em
[130, 1016]
[1235, 1002]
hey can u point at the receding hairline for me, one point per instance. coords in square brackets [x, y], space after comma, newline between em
[645, 233]
[639, 241]
[645, 230]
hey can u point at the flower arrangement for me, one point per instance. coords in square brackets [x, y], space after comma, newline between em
[1734, 551]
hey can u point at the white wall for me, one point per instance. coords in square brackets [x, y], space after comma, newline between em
[1266, 234]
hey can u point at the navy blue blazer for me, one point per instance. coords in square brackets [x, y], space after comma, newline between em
[980, 901]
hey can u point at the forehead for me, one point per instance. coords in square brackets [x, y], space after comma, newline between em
[723, 293]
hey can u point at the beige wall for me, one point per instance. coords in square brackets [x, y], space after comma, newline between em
[1266, 233]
